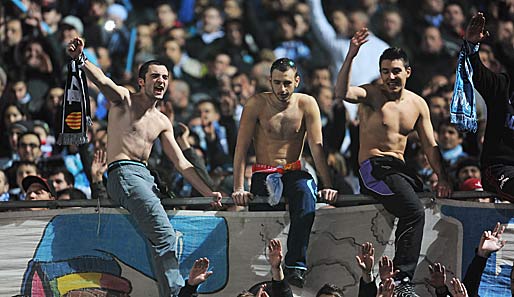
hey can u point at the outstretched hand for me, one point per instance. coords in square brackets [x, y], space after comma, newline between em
[359, 38]
[75, 47]
[475, 30]
[491, 241]
[366, 257]
[275, 253]
[457, 288]
[386, 268]
[437, 275]
[198, 273]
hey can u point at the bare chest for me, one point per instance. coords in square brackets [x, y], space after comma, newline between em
[137, 125]
[397, 117]
[287, 124]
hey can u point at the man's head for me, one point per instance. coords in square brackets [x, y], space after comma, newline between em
[329, 290]
[321, 77]
[61, 179]
[153, 79]
[449, 136]
[243, 86]
[438, 107]
[467, 168]
[38, 188]
[212, 19]
[172, 50]
[179, 94]
[358, 19]
[70, 194]
[166, 15]
[392, 23]
[340, 22]
[453, 15]
[431, 40]
[14, 32]
[29, 146]
[284, 78]
[24, 169]
[286, 25]
[208, 110]
[394, 69]
[325, 98]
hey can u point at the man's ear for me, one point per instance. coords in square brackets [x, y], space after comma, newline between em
[296, 81]
[140, 82]
[409, 71]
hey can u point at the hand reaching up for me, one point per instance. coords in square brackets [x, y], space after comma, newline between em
[457, 288]
[386, 269]
[491, 241]
[359, 38]
[437, 276]
[475, 30]
[366, 257]
[198, 273]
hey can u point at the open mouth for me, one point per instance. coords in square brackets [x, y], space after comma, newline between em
[159, 89]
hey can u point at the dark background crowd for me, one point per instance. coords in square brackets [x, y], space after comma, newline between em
[219, 54]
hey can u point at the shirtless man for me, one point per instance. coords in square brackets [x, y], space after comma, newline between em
[388, 113]
[133, 125]
[278, 122]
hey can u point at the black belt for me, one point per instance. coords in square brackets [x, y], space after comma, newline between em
[119, 163]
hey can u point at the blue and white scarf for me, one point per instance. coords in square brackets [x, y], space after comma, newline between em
[463, 112]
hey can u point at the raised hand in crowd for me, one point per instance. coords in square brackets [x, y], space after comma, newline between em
[438, 279]
[262, 291]
[386, 288]
[199, 272]
[491, 241]
[475, 31]
[386, 269]
[99, 165]
[457, 288]
[183, 138]
[366, 260]
[275, 259]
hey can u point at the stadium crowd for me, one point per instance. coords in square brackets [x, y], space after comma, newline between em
[219, 54]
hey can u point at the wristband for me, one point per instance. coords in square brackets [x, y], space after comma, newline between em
[81, 60]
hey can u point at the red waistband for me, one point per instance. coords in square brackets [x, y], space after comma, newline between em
[297, 165]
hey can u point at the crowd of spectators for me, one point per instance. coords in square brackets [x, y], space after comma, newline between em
[219, 53]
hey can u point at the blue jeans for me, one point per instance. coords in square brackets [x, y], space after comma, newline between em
[300, 193]
[131, 184]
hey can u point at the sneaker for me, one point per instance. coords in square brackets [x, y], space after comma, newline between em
[405, 289]
[295, 276]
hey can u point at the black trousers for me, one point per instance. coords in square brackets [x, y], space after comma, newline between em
[389, 181]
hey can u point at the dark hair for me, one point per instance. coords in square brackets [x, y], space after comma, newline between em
[330, 289]
[30, 132]
[395, 53]
[144, 68]
[282, 65]
[68, 177]
[214, 103]
[75, 194]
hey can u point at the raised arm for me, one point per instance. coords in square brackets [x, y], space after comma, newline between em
[174, 153]
[244, 137]
[431, 149]
[111, 91]
[343, 90]
[489, 84]
[323, 30]
[315, 139]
